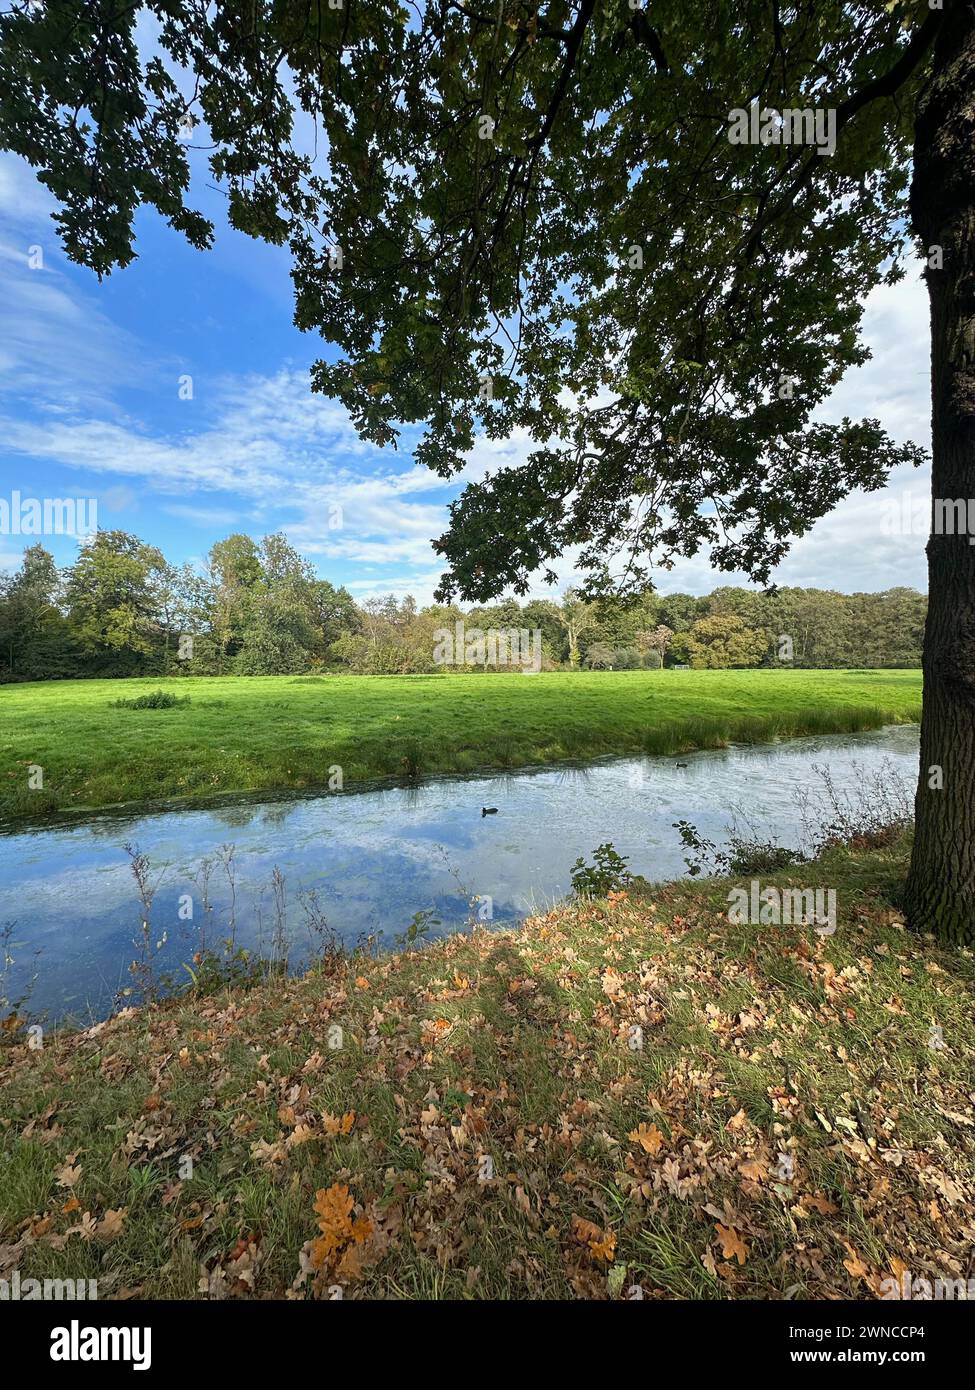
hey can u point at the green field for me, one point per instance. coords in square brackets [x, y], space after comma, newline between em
[274, 732]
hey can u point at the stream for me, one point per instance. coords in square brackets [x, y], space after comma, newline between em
[370, 860]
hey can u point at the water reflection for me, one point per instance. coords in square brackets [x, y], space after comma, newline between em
[377, 857]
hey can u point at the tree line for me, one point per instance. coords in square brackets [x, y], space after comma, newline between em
[257, 608]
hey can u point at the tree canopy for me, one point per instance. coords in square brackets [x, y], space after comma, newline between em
[527, 217]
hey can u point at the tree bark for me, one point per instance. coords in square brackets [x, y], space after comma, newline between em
[940, 892]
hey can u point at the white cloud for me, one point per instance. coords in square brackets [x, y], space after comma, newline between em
[26, 203]
[853, 548]
[895, 385]
[205, 516]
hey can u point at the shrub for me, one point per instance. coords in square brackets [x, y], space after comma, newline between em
[742, 856]
[159, 699]
[761, 857]
[608, 873]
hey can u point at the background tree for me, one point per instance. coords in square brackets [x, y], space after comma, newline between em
[620, 620]
[177, 602]
[259, 611]
[279, 630]
[233, 572]
[818, 624]
[720, 642]
[576, 616]
[600, 657]
[886, 628]
[35, 640]
[657, 641]
[679, 611]
[335, 613]
[112, 594]
[542, 615]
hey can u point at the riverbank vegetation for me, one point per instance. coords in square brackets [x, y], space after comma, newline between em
[629, 1097]
[66, 746]
[258, 610]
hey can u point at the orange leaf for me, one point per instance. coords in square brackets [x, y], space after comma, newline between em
[334, 1125]
[584, 1230]
[602, 1244]
[333, 1205]
[855, 1264]
[648, 1137]
[732, 1245]
[361, 1230]
[336, 1249]
[604, 1249]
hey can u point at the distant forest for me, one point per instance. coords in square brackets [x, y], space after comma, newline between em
[258, 609]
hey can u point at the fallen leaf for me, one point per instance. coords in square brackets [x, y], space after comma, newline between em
[69, 1174]
[732, 1245]
[111, 1223]
[648, 1137]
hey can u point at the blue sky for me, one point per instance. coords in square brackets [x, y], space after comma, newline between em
[90, 407]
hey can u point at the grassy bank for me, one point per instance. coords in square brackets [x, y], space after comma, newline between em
[275, 732]
[786, 1128]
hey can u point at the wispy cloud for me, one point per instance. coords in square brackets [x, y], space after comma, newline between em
[58, 350]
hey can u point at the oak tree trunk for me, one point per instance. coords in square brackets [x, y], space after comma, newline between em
[940, 894]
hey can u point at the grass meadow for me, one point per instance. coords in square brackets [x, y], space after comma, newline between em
[274, 733]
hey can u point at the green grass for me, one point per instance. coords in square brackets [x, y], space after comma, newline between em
[276, 732]
[758, 1042]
